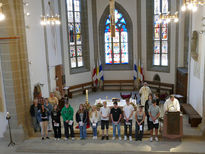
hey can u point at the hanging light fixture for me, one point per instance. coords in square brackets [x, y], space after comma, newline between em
[26, 10]
[51, 18]
[112, 18]
[2, 16]
[168, 18]
[192, 5]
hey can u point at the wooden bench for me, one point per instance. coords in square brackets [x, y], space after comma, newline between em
[194, 117]
[118, 83]
[159, 86]
[79, 88]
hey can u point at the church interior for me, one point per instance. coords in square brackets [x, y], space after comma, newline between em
[98, 54]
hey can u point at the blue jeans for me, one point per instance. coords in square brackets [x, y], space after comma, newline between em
[114, 129]
[36, 124]
[83, 133]
[95, 129]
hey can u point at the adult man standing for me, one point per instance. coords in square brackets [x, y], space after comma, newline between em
[34, 113]
[116, 115]
[144, 93]
[171, 105]
[57, 94]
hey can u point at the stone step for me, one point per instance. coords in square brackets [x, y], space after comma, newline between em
[90, 133]
[35, 145]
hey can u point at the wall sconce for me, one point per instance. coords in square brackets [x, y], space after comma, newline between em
[203, 26]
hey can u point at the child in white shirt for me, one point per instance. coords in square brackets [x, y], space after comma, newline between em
[105, 114]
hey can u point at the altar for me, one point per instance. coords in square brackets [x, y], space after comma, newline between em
[121, 103]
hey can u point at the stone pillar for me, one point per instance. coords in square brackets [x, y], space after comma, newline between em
[202, 125]
[95, 32]
[14, 61]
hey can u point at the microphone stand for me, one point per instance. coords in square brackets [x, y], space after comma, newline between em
[11, 140]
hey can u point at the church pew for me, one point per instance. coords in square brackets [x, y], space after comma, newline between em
[194, 117]
[159, 86]
[80, 88]
[195, 120]
[121, 84]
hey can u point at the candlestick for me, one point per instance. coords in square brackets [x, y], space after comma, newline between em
[86, 97]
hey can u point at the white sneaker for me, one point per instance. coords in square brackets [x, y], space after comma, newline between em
[96, 137]
[58, 139]
[55, 139]
[113, 138]
[66, 139]
[156, 139]
[73, 138]
[120, 138]
[125, 138]
[93, 137]
[151, 139]
[130, 138]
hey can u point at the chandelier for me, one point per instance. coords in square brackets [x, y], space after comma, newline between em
[192, 5]
[168, 18]
[51, 18]
[2, 16]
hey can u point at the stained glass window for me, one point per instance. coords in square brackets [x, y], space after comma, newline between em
[160, 34]
[75, 38]
[116, 49]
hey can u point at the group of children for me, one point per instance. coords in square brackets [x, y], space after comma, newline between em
[115, 115]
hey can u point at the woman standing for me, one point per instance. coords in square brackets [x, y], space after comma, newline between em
[81, 119]
[49, 108]
[140, 117]
[148, 103]
[56, 122]
[94, 116]
[43, 118]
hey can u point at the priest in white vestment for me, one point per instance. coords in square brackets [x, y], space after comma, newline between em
[144, 93]
[171, 105]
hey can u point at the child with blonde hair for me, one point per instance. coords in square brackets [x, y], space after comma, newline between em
[94, 116]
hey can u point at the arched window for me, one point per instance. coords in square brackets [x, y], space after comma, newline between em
[116, 49]
[78, 35]
[160, 55]
[116, 53]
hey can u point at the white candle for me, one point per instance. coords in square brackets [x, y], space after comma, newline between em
[86, 97]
